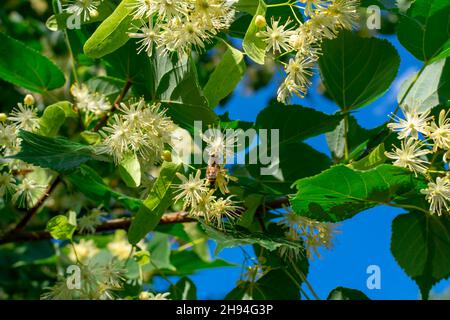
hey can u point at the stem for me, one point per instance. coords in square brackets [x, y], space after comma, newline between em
[278, 4]
[346, 142]
[402, 100]
[295, 15]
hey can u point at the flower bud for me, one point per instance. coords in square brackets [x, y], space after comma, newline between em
[29, 100]
[167, 156]
[260, 21]
[3, 117]
[93, 13]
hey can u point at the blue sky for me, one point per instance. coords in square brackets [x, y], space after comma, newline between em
[363, 240]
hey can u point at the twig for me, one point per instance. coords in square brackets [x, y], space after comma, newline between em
[116, 105]
[124, 223]
[111, 225]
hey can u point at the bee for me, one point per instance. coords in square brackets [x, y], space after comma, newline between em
[212, 170]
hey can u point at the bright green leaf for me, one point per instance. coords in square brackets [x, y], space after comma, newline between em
[130, 171]
[60, 228]
[254, 46]
[357, 70]
[225, 77]
[154, 206]
[112, 32]
[340, 192]
[27, 68]
[420, 244]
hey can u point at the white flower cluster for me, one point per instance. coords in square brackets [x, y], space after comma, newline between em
[178, 25]
[197, 195]
[98, 281]
[425, 150]
[85, 9]
[25, 192]
[302, 42]
[315, 234]
[87, 101]
[141, 129]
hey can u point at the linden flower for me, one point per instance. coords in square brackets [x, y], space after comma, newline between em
[220, 145]
[345, 12]
[314, 233]
[166, 9]
[217, 14]
[413, 123]
[84, 250]
[8, 136]
[410, 155]
[87, 101]
[148, 35]
[120, 248]
[277, 36]
[438, 195]
[299, 70]
[24, 117]
[145, 295]
[27, 193]
[181, 35]
[191, 189]
[440, 131]
[222, 208]
[118, 137]
[84, 8]
[141, 9]
[7, 184]
[310, 5]
[321, 25]
[89, 222]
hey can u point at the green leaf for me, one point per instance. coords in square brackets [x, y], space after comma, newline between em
[112, 32]
[251, 203]
[358, 138]
[198, 239]
[420, 244]
[61, 228]
[225, 76]
[357, 70]
[27, 68]
[296, 123]
[285, 169]
[165, 79]
[188, 262]
[276, 285]
[130, 171]
[87, 181]
[159, 248]
[58, 154]
[373, 159]
[254, 46]
[109, 86]
[154, 206]
[425, 29]
[431, 87]
[233, 237]
[342, 293]
[340, 192]
[184, 289]
[51, 120]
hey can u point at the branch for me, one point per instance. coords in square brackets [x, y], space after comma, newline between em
[111, 225]
[124, 224]
[30, 213]
[116, 105]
